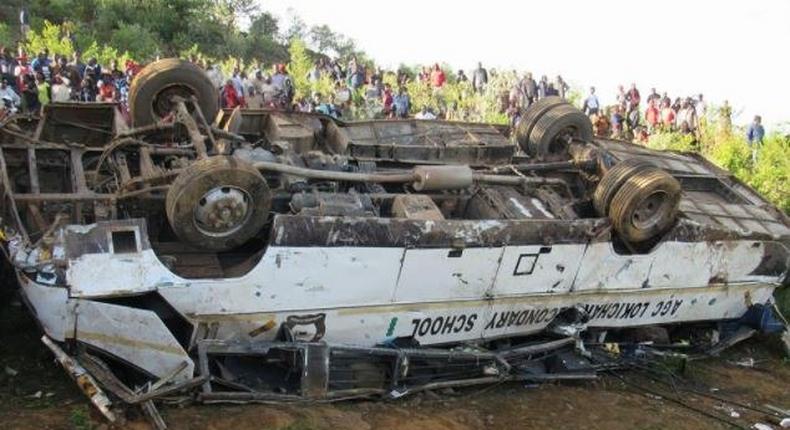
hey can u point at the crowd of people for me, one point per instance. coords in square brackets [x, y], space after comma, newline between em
[635, 117]
[276, 89]
[28, 84]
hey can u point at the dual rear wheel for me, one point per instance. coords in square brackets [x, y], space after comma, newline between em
[548, 125]
[640, 199]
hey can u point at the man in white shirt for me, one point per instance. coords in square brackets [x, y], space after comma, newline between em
[60, 89]
[424, 113]
[701, 107]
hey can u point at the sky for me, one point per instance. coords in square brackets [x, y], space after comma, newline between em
[735, 50]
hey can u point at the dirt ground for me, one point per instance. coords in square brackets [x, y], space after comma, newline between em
[36, 394]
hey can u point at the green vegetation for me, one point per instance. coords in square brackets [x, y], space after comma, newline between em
[80, 418]
[769, 174]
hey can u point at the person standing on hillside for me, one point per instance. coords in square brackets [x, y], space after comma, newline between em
[479, 78]
[530, 89]
[21, 72]
[652, 116]
[633, 98]
[654, 96]
[686, 119]
[387, 99]
[60, 90]
[42, 63]
[76, 69]
[543, 87]
[230, 96]
[616, 121]
[755, 136]
[561, 86]
[93, 69]
[591, 104]
[30, 94]
[283, 86]
[401, 103]
[437, 76]
[621, 97]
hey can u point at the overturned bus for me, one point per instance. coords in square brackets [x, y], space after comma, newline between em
[258, 255]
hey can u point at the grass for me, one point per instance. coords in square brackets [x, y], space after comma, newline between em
[80, 418]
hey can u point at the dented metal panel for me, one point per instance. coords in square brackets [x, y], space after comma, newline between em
[136, 336]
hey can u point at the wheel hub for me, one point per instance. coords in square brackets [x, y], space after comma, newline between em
[650, 211]
[163, 101]
[222, 211]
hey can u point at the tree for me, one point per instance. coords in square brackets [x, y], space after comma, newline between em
[297, 29]
[299, 66]
[323, 38]
[227, 11]
[264, 25]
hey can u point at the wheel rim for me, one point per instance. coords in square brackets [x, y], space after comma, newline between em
[560, 142]
[162, 104]
[222, 211]
[651, 211]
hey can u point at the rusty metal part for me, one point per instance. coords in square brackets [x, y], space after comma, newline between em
[381, 178]
[424, 178]
[84, 380]
[195, 137]
[432, 178]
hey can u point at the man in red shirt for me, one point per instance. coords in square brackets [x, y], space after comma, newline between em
[437, 76]
[667, 116]
[652, 116]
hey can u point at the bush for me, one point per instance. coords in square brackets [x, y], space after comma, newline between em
[50, 37]
[771, 174]
[672, 142]
[6, 36]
